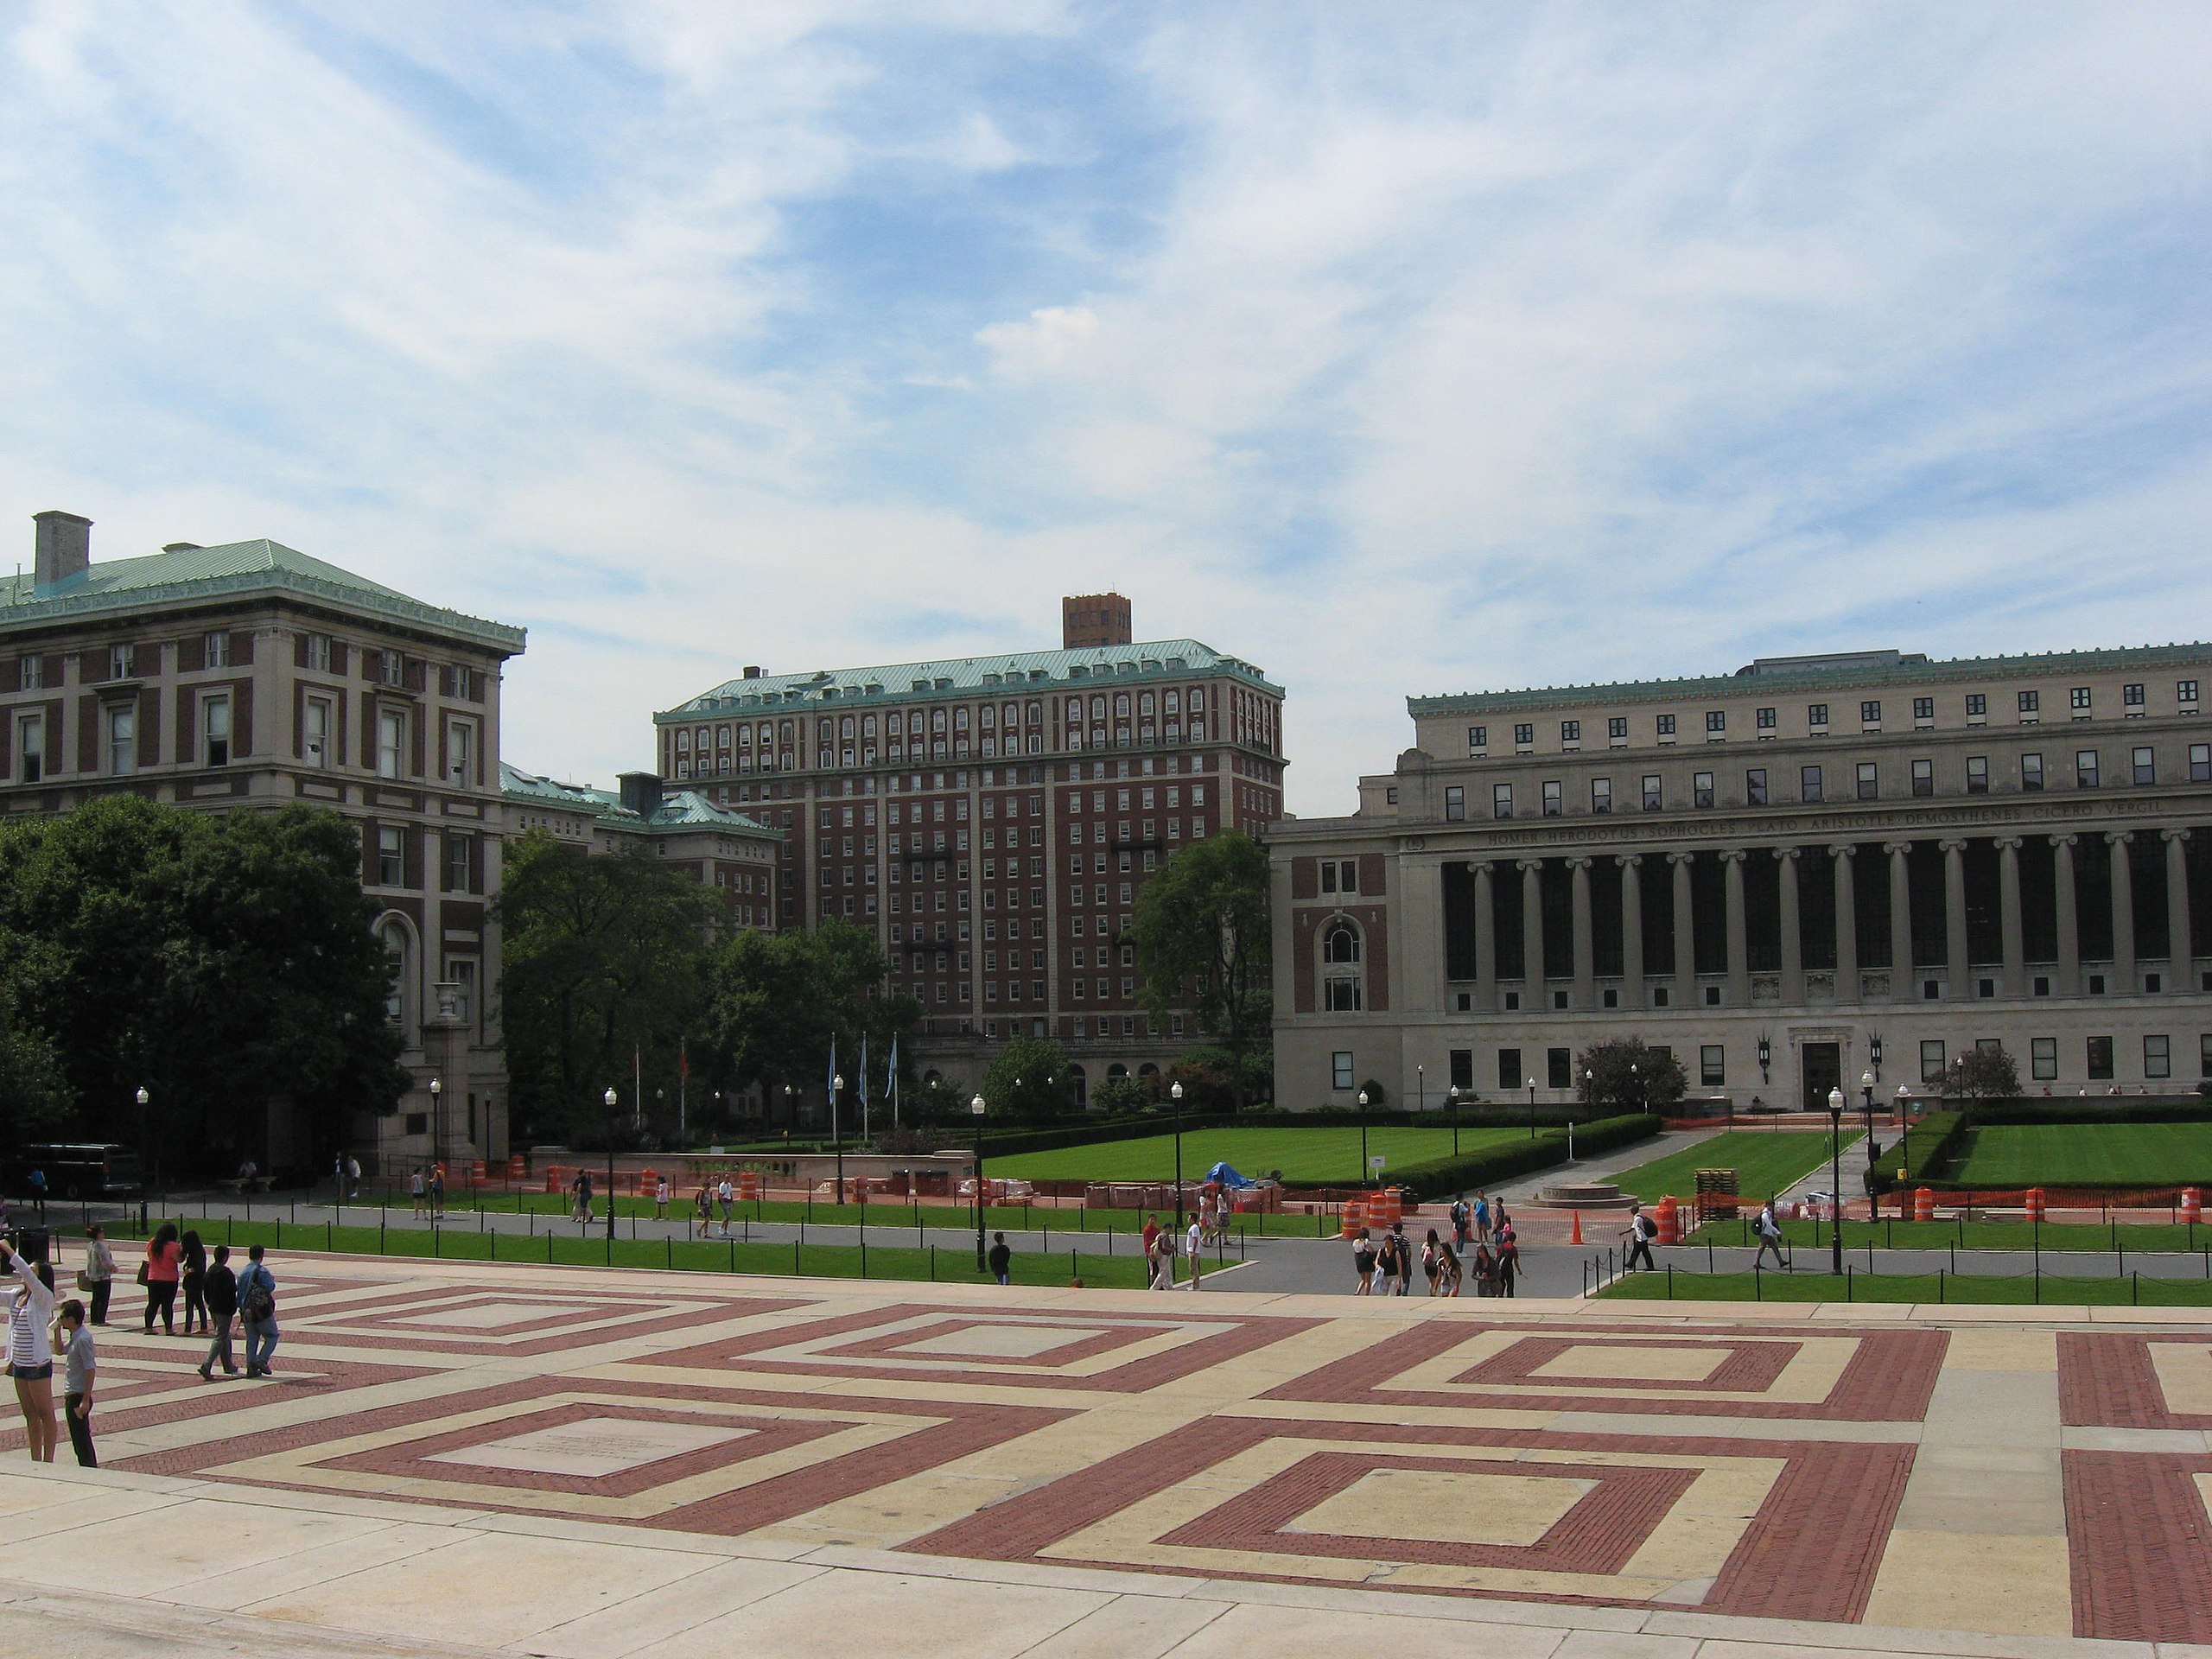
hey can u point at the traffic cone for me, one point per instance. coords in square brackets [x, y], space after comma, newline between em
[1577, 1239]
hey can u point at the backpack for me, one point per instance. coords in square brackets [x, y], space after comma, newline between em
[259, 1301]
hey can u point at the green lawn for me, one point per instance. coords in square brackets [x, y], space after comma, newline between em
[1767, 1162]
[2129, 1235]
[2010, 1155]
[1314, 1157]
[2019, 1290]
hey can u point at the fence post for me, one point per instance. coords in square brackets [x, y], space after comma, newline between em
[1939, 1286]
[795, 1250]
[1074, 1271]
[1759, 1282]
[863, 1252]
[932, 1264]
[2135, 1288]
[1670, 1281]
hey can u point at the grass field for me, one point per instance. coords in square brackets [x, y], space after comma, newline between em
[1306, 1157]
[2147, 1237]
[2010, 1155]
[2016, 1291]
[1767, 1162]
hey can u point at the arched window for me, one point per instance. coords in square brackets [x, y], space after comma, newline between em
[1082, 1081]
[1341, 943]
[398, 945]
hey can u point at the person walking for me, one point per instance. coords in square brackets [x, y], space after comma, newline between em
[1509, 1261]
[1482, 1216]
[1194, 1244]
[193, 1280]
[97, 1275]
[1162, 1257]
[159, 1273]
[1362, 1263]
[338, 1176]
[222, 1309]
[1642, 1230]
[258, 1305]
[1449, 1261]
[1769, 1232]
[1405, 1259]
[584, 1197]
[1001, 1259]
[703, 1209]
[1151, 1234]
[30, 1350]
[437, 1191]
[661, 1193]
[414, 1190]
[1462, 1219]
[1432, 1265]
[1385, 1264]
[727, 1196]
[1485, 1270]
[37, 1184]
[79, 1363]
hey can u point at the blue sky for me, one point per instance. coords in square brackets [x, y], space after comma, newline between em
[1399, 349]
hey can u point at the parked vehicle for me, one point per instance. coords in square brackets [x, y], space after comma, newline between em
[85, 1169]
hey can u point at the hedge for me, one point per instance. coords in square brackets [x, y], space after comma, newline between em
[1543, 1150]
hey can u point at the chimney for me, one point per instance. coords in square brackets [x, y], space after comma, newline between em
[641, 792]
[64, 548]
[1093, 619]
[752, 670]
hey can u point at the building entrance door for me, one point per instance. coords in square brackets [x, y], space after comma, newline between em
[1823, 1068]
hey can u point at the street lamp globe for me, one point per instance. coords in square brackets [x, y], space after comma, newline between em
[1363, 1098]
[1867, 1079]
[976, 1106]
[838, 1083]
[609, 1098]
[1176, 1091]
[436, 1088]
[145, 1098]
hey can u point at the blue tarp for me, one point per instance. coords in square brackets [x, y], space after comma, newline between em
[1228, 1177]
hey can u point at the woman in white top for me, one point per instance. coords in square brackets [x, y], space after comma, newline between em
[30, 1354]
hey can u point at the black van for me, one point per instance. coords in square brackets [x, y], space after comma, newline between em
[87, 1169]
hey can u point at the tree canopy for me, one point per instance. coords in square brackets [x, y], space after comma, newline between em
[1204, 945]
[1029, 1078]
[1980, 1074]
[1626, 1074]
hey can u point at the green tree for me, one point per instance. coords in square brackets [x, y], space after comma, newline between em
[1029, 1078]
[1122, 1095]
[1204, 944]
[1980, 1074]
[34, 1097]
[1623, 1074]
[605, 959]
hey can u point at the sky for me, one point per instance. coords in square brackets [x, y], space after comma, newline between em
[1399, 349]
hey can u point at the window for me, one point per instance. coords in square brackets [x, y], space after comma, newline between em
[2200, 763]
[31, 747]
[392, 668]
[461, 863]
[1712, 1065]
[1553, 805]
[1755, 786]
[1931, 1060]
[1716, 720]
[2078, 699]
[1765, 718]
[2043, 1058]
[1570, 731]
[1869, 777]
[1977, 705]
[392, 742]
[1977, 774]
[2100, 1058]
[2204, 1055]
[1455, 803]
[2031, 771]
[120, 661]
[2031, 702]
[1870, 714]
[1617, 729]
[314, 731]
[215, 651]
[1509, 1074]
[1666, 725]
[1924, 708]
[1601, 794]
[1340, 944]
[122, 722]
[1559, 1068]
[215, 725]
[1816, 713]
[1701, 788]
[1652, 795]
[2186, 690]
[1501, 800]
[1524, 736]
[2085, 768]
[1337, 997]
[30, 674]
[1477, 739]
[318, 652]
[391, 858]
[1923, 777]
[1340, 1070]
[1348, 875]
[2157, 1056]
[460, 753]
[2131, 697]
[2146, 767]
[1328, 880]
[1463, 1068]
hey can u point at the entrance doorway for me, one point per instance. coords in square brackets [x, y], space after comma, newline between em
[1823, 1069]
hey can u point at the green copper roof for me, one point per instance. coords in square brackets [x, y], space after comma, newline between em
[1841, 670]
[234, 569]
[1029, 671]
[680, 809]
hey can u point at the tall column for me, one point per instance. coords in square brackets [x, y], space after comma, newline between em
[1485, 939]
[1740, 942]
[1848, 987]
[2123, 915]
[2181, 949]
[1631, 929]
[1954, 916]
[1685, 934]
[1585, 943]
[1532, 931]
[2008, 915]
[1901, 987]
[2070, 919]
[1793, 944]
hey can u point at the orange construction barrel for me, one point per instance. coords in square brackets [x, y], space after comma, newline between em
[2192, 1204]
[1669, 1219]
[1923, 1206]
[1355, 1218]
[748, 1183]
[2034, 1203]
[518, 1167]
[553, 1178]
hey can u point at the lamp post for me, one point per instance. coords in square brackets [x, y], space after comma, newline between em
[1420, 1089]
[1452, 1100]
[145, 1099]
[1532, 1108]
[437, 1123]
[975, 1106]
[1363, 1138]
[1175, 1094]
[1835, 1181]
[836, 1131]
[1866, 1089]
[1904, 1130]
[613, 1101]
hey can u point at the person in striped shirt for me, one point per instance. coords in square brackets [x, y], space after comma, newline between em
[30, 1351]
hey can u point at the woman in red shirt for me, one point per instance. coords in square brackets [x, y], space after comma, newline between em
[164, 1260]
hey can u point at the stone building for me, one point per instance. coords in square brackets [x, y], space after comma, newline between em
[250, 676]
[1818, 870]
[993, 818]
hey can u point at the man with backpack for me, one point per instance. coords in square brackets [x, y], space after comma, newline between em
[1642, 1230]
[258, 1305]
[1769, 1232]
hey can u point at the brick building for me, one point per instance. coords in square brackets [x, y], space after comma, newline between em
[993, 818]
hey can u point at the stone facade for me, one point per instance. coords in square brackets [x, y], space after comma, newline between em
[1817, 870]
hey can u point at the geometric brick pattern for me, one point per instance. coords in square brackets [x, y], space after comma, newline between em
[2139, 1544]
[2134, 1380]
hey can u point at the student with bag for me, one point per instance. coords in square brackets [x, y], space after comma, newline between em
[222, 1309]
[1769, 1232]
[97, 1277]
[1642, 1230]
[258, 1306]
